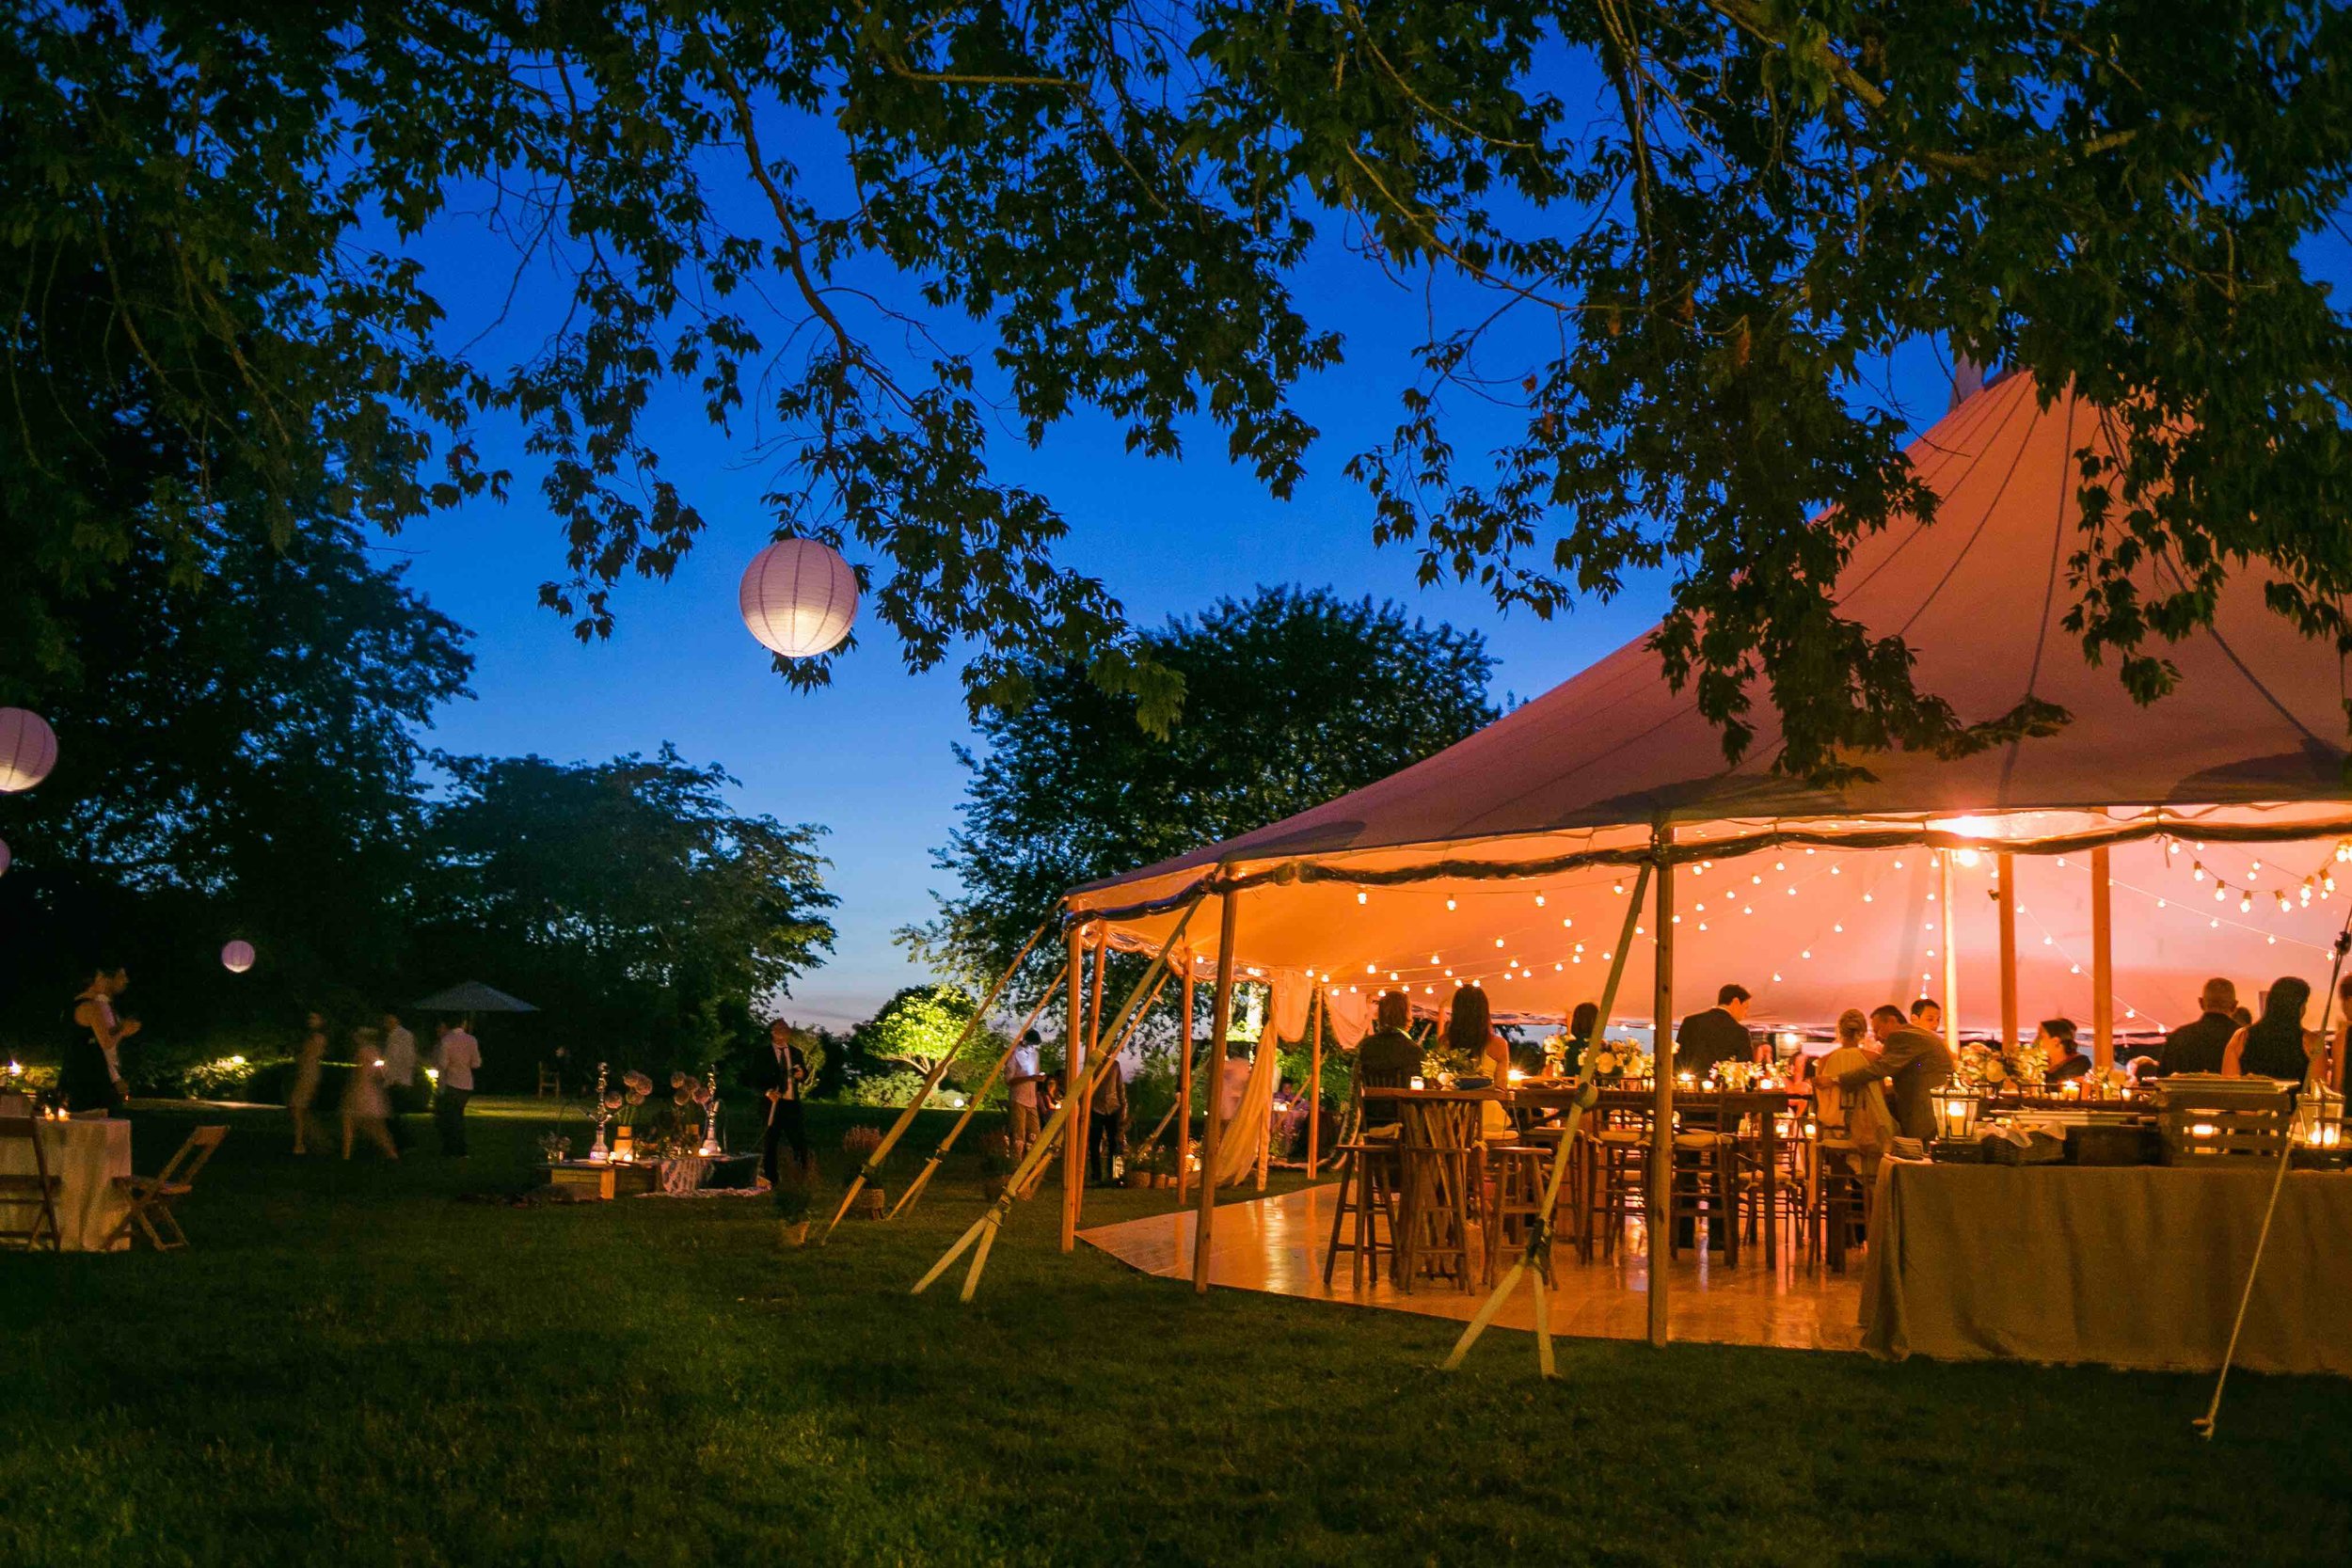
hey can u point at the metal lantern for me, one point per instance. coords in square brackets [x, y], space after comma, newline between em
[799, 597]
[1956, 1114]
[237, 956]
[2319, 1123]
[28, 750]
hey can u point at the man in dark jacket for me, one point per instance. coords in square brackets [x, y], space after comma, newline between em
[1718, 1034]
[2195, 1047]
[1386, 1060]
[780, 1074]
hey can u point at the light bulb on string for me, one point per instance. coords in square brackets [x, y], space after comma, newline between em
[1362, 898]
[1539, 900]
[1449, 904]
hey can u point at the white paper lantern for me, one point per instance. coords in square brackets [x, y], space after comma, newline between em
[798, 597]
[237, 956]
[28, 749]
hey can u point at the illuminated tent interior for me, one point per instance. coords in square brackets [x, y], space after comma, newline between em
[1506, 859]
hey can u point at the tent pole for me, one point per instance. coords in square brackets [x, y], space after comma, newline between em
[931, 1081]
[1657, 1219]
[2102, 964]
[1220, 1017]
[972, 1107]
[2007, 905]
[1073, 1062]
[1184, 1095]
[1951, 951]
[1314, 1081]
[1082, 1120]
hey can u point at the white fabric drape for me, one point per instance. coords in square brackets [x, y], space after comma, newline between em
[1240, 1141]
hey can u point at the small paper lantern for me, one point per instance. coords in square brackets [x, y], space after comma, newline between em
[28, 750]
[237, 956]
[798, 597]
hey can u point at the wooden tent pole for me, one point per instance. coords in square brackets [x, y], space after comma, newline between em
[1951, 952]
[1221, 1019]
[1536, 1265]
[2007, 905]
[972, 1105]
[1073, 1063]
[1184, 1095]
[1659, 1219]
[2102, 963]
[1316, 1014]
[931, 1080]
[984, 1230]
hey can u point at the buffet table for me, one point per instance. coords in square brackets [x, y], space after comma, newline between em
[2131, 1266]
[86, 1155]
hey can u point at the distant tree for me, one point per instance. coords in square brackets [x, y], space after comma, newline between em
[238, 758]
[1294, 698]
[886, 1057]
[649, 920]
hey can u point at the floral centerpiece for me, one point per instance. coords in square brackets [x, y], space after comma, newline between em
[1618, 1060]
[1989, 1070]
[636, 1088]
[1739, 1076]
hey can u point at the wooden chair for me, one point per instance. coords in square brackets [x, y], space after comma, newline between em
[1521, 1172]
[37, 1192]
[551, 1080]
[1617, 1187]
[150, 1198]
[1705, 1186]
[1368, 1180]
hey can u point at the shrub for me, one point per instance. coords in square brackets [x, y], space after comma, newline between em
[860, 1142]
[885, 1090]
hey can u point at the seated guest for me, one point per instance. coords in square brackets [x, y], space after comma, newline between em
[1854, 1122]
[1914, 1061]
[1716, 1036]
[1386, 1060]
[2197, 1046]
[1928, 1013]
[1583, 1024]
[2055, 1039]
[1469, 1032]
[2338, 1046]
[2275, 1045]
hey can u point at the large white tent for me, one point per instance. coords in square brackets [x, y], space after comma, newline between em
[1506, 859]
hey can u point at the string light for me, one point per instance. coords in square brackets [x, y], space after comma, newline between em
[1362, 898]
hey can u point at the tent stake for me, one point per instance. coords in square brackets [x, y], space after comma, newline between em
[1535, 1263]
[931, 1081]
[1221, 1020]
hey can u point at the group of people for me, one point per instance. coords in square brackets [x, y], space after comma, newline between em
[1033, 1094]
[383, 1087]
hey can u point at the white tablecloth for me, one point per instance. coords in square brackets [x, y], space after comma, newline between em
[87, 1156]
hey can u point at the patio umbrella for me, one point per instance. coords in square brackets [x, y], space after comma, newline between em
[472, 996]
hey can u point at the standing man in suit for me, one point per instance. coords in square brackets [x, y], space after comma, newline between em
[1914, 1062]
[1718, 1034]
[781, 1074]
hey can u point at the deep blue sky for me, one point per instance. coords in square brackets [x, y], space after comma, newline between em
[870, 758]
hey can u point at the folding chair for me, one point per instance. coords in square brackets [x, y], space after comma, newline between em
[37, 1192]
[153, 1195]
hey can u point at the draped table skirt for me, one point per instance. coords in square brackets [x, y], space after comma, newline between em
[2129, 1266]
[86, 1156]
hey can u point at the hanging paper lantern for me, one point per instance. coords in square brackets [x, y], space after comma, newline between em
[28, 749]
[237, 956]
[798, 597]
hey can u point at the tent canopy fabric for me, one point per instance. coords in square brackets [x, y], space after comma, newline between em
[472, 996]
[1501, 859]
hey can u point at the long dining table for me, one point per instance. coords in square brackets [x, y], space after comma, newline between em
[1730, 1109]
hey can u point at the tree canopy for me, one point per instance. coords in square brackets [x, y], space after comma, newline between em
[1665, 241]
[1293, 698]
[630, 893]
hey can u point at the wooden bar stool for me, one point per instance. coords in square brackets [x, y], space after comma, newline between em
[1368, 1182]
[1616, 1188]
[1705, 1186]
[1521, 1172]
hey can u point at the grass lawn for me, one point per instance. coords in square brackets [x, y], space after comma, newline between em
[353, 1367]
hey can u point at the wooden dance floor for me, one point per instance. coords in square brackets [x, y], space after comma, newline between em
[1276, 1244]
